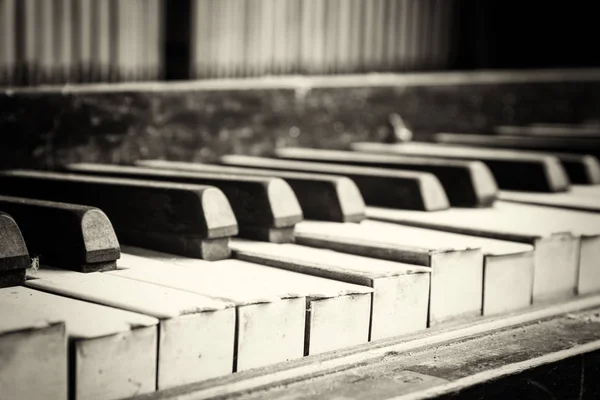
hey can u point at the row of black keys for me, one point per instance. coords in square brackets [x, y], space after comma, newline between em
[192, 210]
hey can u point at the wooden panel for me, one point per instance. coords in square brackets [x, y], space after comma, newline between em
[32, 346]
[513, 170]
[467, 183]
[188, 219]
[378, 186]
[400, 291]
[113, 351]
[322, 197]
[87, 241]
[263, 207]
[196, 332]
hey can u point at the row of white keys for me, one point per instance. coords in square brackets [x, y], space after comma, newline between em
[195, 332]
[112, 352]
[400, 291]
[567, 242]
[273, 305]
[32, 347]
[469, 275]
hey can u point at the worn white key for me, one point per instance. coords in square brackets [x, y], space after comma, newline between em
[261, 293]
[507, 266]
[196, 333]
[557, 247]
[400, 291]
[113, 351]
[33, 355]
[573, 200]
[456, 273]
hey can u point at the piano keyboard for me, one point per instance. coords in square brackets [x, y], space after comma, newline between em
[145, 278]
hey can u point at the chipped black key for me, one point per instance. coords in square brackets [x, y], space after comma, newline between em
[185, 219]
[467, 183]
[265, 207]
[581, 168]
[63, 235]
[321, 197]
[379, 187]
[14, 255]
[513, 170]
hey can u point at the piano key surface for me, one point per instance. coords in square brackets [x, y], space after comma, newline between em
[196, 333]
[502, 265]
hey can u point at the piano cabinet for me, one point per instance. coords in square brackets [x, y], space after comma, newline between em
[548, 347]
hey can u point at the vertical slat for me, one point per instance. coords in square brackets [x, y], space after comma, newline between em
[357, 38]
[280, 31]
[8, 43]
[45, 42]
[31, 56]
[330, 39]
[104, 40]
[63, 40]
[82, 53]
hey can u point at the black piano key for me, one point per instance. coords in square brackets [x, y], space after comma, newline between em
[14, 255]
[87, 241]
[190, 220]
[513, 170]
[321, 197]
[581, 168]
[378, 186]
[467, 183]
[574, 144]
[551, 130]
[265, 207]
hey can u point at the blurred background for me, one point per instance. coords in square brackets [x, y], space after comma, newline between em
[71, 41]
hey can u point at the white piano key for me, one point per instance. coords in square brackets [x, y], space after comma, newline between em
[263, 291]
[574, 200]
[401, 291]
[113, 351]
[507, 270]
[33, 348]
[456, 272]
[557, 255]
[196, 333]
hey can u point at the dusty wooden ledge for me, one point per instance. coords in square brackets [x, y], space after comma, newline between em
[305, 83]
[542, 330]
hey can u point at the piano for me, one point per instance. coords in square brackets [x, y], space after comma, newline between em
[303, 219]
